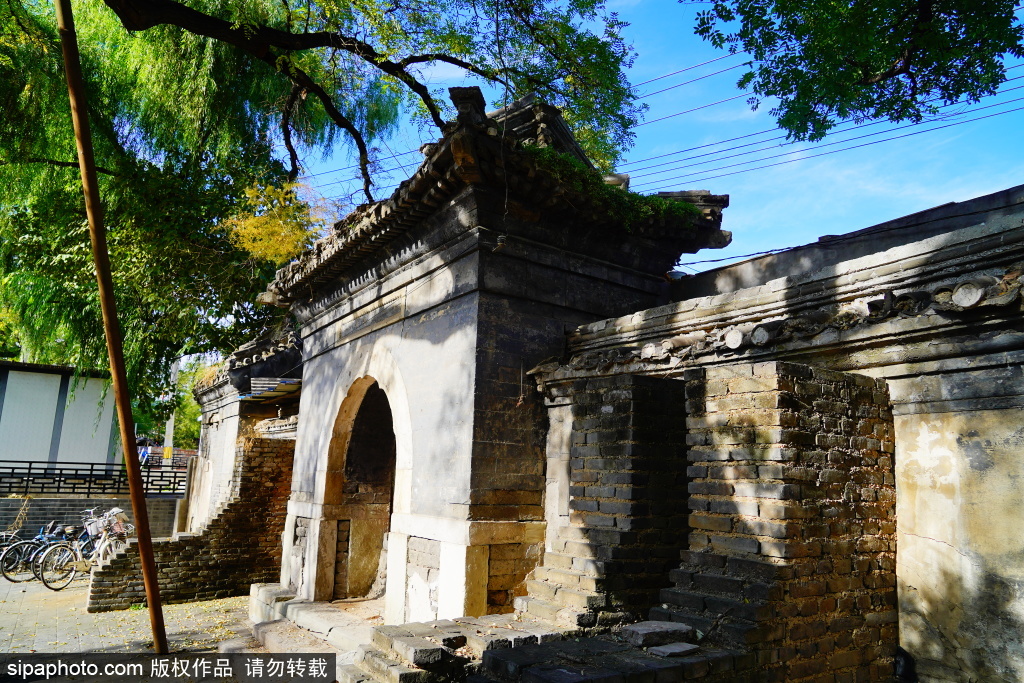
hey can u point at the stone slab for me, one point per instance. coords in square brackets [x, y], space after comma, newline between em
[673, 649]
[648, 633]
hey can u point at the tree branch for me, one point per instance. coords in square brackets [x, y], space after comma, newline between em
[302, 78]
[286, 131]
[54, 162]
[903, 64]
[259, 41]
[455, 61]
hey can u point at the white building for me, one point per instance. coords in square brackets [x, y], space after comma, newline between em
[47, 415]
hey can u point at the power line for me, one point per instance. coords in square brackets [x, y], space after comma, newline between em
[710, 144]
[651, 80]
[348, 168]
[692, 80]
[687, 111]
[689, 68]
[762, 149]
[834, 151]
[770, 130]
[859, 234]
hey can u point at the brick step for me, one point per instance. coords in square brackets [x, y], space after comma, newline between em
[379, 667]
[574, 548]
[430, 645]
[725, 630]
[727, 585]
[567, 561]
[350, 673]
[575, 598]
[743, 568]
[500, 631]
[699, 602]
[595, 535]
[554, 613]
[569, 578]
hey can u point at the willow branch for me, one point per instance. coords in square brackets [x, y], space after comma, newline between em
[286, 131]
[54, 162]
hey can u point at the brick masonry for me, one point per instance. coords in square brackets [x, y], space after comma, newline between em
[627, 520]
[508, 566]
[792, 543]
[241, 545]
[43, 510]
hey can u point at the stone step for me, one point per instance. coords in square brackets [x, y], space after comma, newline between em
[583, 565]
[713, 605]
[284, 637]
[575, 548]
[606, 659]
[566, 597]
[554, 613]
[384, 669]
[557, 560]
[698, 621]
[350, 673]
[569, 578]
[717, 628]
[648, 633]
[416, 644]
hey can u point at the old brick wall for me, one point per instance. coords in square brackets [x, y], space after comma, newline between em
[793, 540]
[627, 519]
[241, 545]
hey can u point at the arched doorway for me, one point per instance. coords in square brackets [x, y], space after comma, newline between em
[361, 483]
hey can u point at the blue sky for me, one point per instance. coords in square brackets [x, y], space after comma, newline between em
[790, 203]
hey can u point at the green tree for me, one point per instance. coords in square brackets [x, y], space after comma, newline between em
[188, 108]
[864, 59]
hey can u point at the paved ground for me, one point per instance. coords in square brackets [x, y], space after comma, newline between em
[35, 619]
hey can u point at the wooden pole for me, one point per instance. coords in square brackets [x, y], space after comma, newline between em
[111, 326]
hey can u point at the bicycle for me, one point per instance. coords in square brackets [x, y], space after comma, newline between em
[61, 563]
[16, 562]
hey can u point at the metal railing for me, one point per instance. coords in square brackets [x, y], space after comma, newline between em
[28, 477]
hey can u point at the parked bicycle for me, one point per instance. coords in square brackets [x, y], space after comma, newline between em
[16, 562]
[60, 563]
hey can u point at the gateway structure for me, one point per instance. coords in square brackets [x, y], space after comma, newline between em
[811, 457]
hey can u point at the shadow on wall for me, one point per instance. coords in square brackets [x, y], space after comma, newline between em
[964, 626]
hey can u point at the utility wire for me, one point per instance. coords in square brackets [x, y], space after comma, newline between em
[857, 235]
[692, 80]
[651, 80]
[687, 111]
[689, 68]
[770, 130]
[828, 144]
[834, 151]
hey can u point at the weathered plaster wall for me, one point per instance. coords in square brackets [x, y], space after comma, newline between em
[213, 467]
[960, 477]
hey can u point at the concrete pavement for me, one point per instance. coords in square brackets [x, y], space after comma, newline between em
[35, 619]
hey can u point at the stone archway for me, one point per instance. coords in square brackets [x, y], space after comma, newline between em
[360, 487]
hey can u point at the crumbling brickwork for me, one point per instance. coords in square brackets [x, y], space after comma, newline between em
[627, 520]
[240, 545]
[792, 548]
[508, 565]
